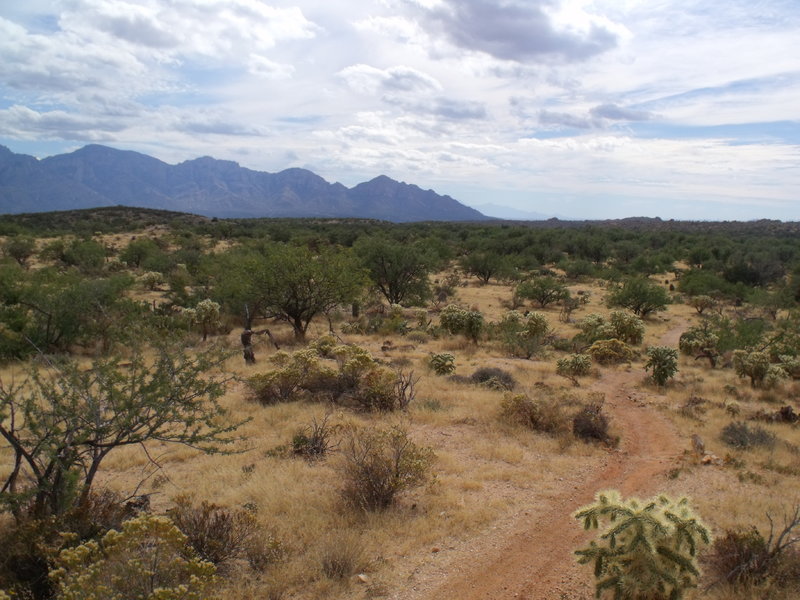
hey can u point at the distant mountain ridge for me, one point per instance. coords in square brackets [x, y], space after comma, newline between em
[96, 176]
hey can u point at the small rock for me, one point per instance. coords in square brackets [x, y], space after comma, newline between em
[362, 578]
[434, 550]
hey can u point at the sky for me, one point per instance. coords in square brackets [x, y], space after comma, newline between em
[680, 109]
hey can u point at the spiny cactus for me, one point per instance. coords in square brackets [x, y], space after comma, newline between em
[647, 551]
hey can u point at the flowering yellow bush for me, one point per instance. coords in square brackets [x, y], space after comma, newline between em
[150, 559]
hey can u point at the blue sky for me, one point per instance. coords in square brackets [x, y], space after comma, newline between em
[577, 108]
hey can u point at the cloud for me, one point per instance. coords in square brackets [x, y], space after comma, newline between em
[23, 122]
[561, 119]
[445, 108]
[517, 30]
[370, 80]
[619, 113]
[263, 67]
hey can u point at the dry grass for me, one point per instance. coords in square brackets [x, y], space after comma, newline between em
[485, 470]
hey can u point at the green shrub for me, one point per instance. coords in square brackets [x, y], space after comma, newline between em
[442, 363]
[647, 550]
[574, 366]
[378, 464]
[149, 559]
[613, 351]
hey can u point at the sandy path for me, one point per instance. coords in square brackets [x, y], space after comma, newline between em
[536, 562]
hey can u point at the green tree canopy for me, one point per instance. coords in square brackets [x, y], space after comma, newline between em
[639, 295]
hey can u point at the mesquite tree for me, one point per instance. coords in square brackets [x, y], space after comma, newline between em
[61, 423]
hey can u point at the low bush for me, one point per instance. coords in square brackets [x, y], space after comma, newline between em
[218, 534]
[591, 425]
[341, 555]
[742, 436]
[148, 559]
[494, 378]
[315, 440]
[545, 416]
[609, 352]
[745, 558]
[378, 464]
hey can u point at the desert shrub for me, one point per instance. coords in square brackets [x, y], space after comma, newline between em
[341, 555]
[701, 303]
[455, 320]
[29, 544]
[378, 464]
[418, 337]
[358, 379]
[495, 378]
[739, 557]
[574, 366]
[663, 362]
[613, 351]
[151, 280]
[591, 425]
[218, 534]
[315, 440]
[523, 335]
[149, 560]
[746, 558]
[545, 416]
[287, 383]
[647, 550]
[442, 363]
[742, 436]
[324, 345]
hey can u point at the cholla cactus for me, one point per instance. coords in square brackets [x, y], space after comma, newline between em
[648, 550]
[443, 363]
[457, 320]
[663, 361]
[205, 315]
[754, 365]
[574, 366]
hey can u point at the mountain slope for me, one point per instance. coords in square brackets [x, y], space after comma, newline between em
[100, 176]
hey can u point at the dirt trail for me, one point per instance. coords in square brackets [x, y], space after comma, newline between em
[536, 562]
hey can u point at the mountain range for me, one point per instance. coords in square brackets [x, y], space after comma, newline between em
[96, 176]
